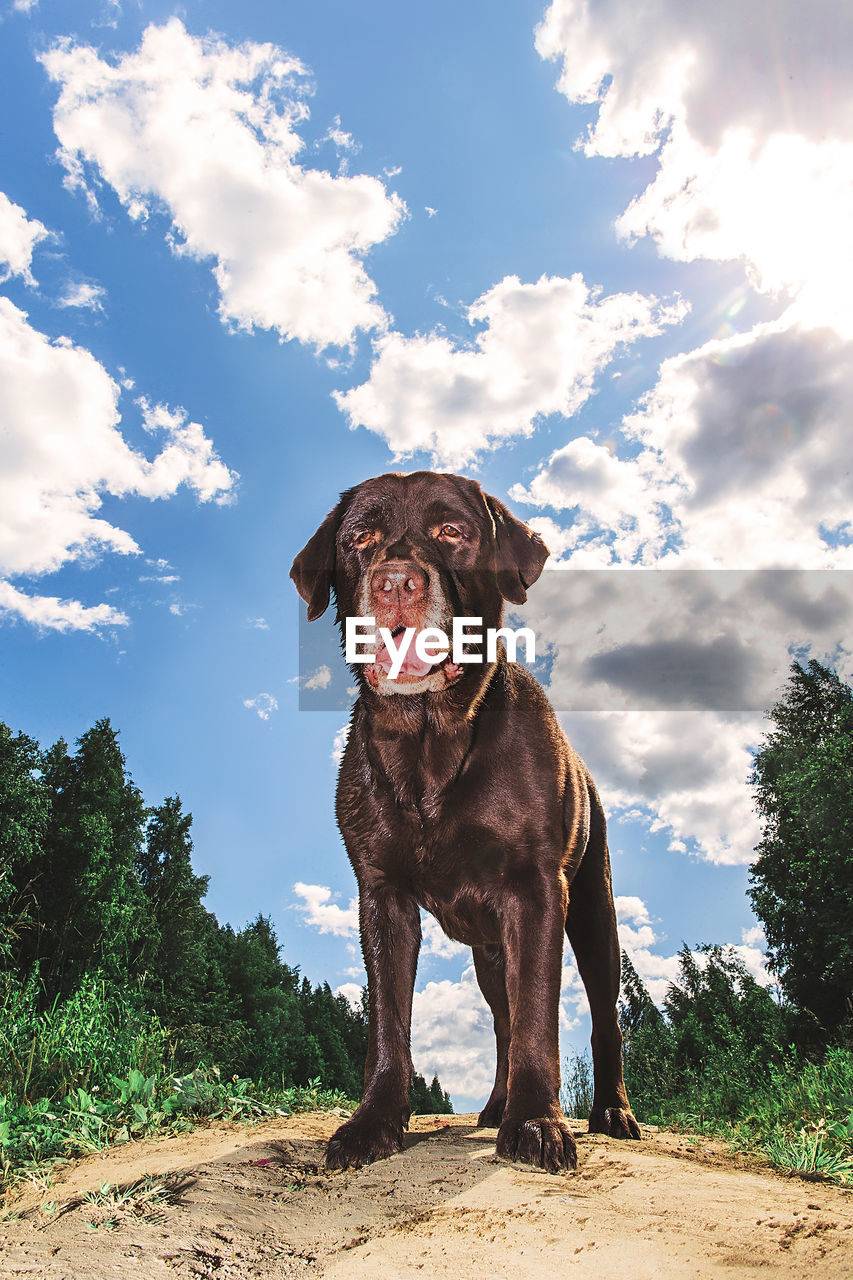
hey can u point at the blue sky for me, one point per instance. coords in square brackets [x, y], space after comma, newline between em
[595, 255]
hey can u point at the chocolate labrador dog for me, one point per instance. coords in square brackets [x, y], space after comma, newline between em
[459, 793]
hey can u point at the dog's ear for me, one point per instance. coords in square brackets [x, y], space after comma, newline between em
[313, 569]
[520, 554]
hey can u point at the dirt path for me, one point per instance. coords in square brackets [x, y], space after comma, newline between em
[253, 1203]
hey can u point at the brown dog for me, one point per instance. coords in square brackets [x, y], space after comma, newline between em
[459, 793]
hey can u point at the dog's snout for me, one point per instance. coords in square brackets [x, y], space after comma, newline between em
[401, 580]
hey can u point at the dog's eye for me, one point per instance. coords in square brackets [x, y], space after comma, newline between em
[450, 532]
[364, 538]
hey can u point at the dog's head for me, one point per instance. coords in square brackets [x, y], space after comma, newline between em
[414, 551]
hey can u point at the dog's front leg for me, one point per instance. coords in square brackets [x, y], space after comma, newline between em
[533, 1128]
[390, 940]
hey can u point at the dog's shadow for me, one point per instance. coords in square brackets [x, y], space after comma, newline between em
[433, 1164]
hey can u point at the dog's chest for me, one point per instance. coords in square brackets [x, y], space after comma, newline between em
[420, 776]
[457, 869]
[461, 886]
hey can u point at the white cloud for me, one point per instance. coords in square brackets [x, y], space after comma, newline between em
[538, 354]
[658, 971]
[557, 538]
[689, 769]
[208, 132]
[351, 992]
[740, 459]
[784, 206]
[61, 451]
[646, 67]
[452, 1030]
[319, 910]
[662, 679]
[637, 939]
[264, 705]
[60, 445]
[631, 908]
[18, 237]
[57, 615]
[340, 138]
[686, 771]
[188, 458]
[751, 951]
[754, 431]
[620, 506]
[743, 454]
[436, 942]
[453, 1037]
[89, 297]
[319, 679]
[340, 742]
[751, 114]
[109, 15]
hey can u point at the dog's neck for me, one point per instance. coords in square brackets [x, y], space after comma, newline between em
[418, 744]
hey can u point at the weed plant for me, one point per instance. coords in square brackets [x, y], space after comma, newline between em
[798, 1116]
[577, 1088]
[804, 1121]
[78, 1043]
[96, 1070]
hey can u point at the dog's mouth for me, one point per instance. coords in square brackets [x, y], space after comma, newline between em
[412, 674]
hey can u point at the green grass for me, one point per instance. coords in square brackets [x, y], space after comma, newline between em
[77, 1043]
[577, 1088]
[95, 1070]
[800, 1119]
[804, 1121]
[36, 1133]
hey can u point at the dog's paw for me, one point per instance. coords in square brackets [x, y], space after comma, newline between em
[492, 1113]
[616, 1122]
[361, 1142]
[543, 1142]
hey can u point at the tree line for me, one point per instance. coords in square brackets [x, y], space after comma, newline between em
[95, 883]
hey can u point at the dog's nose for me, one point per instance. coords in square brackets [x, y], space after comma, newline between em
[403, 580]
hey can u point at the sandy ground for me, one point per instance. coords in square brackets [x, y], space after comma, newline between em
[236, 1203]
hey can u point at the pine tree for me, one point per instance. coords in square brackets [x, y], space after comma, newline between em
[266, 998]
[24, 814]
[439, 1099]
[326, 1018]
[647, 1046]
[419, 1099]
[93, 911]
[712, 1045]
[801, 882]
[182, 973]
